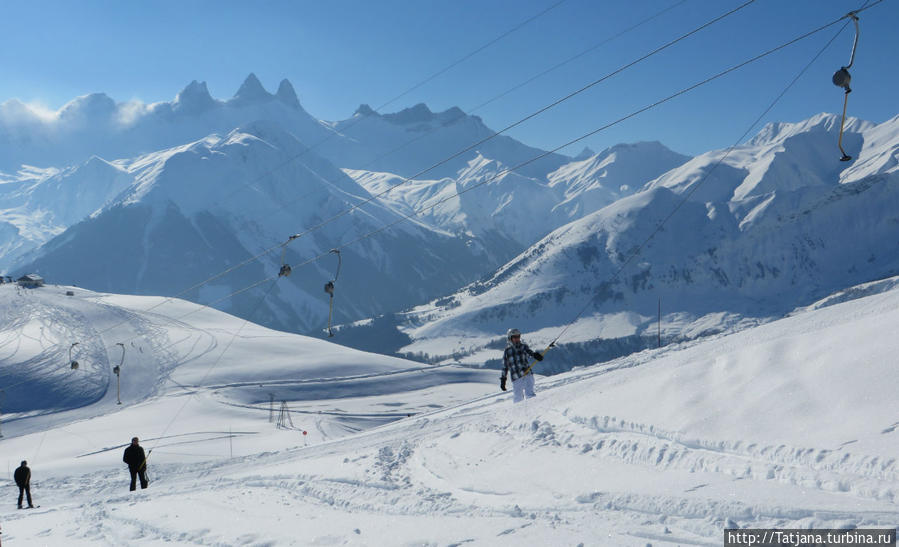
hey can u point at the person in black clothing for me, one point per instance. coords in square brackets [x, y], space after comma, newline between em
[137, 464]
[23, 481]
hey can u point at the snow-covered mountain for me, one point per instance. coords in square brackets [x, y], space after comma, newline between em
[592, 182]
[160, 222]
[260, 437]
[498, 204]
[192, 211]
[723, 241]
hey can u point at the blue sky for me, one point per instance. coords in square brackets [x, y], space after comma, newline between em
[341, 53]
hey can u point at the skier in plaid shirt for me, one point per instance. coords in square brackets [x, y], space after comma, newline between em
[515, 362]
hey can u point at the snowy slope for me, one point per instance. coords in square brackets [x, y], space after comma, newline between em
[779, 223]
[789, 425]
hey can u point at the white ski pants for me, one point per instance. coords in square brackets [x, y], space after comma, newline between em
[523, 387]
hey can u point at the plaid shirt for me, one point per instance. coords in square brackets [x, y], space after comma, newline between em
[515, 360]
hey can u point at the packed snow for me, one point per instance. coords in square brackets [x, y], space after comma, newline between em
[789, 424]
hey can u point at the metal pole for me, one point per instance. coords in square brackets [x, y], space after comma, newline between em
[118, 372]
[660, 322]
[2, 395]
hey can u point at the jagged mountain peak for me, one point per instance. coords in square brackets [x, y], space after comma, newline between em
[364, 110]
[419, 113]
[194, 97]
[251, 91]
[287, 94]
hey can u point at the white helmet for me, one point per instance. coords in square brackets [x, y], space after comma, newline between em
[511, 333]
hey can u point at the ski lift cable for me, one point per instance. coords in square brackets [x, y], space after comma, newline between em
[683, 91]
[636, 252]
[418, 212]
[416, 86]
[640, 248]
[375, 196]
[463, 113]
[290, 160]
[578, 55]
[469, 55]
[528, 117]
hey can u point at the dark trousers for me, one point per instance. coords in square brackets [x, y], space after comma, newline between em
[142, 473]
[25, 490]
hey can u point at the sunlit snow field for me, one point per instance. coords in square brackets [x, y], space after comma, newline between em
[790, 424]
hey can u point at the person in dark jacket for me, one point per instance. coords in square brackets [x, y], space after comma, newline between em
[515, 363]
[137, 464]
[23, 481]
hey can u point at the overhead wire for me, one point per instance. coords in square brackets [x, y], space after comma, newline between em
[404, 93]
[467, 112]
[470, 55]
[418, 212]
[632, 114]
[692, 190]
[530, 116]
[268, 172]
[536, 158]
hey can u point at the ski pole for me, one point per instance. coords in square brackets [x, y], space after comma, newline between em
[551, 345]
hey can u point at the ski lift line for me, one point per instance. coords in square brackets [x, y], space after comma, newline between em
[418, 212]
[416, 86]
[501, 95]
[577, 56]
[384, 192]
[470, 55]
[528, 117]
[708, 173]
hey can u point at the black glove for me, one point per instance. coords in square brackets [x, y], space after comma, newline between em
[502, 384]
[538, 356]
